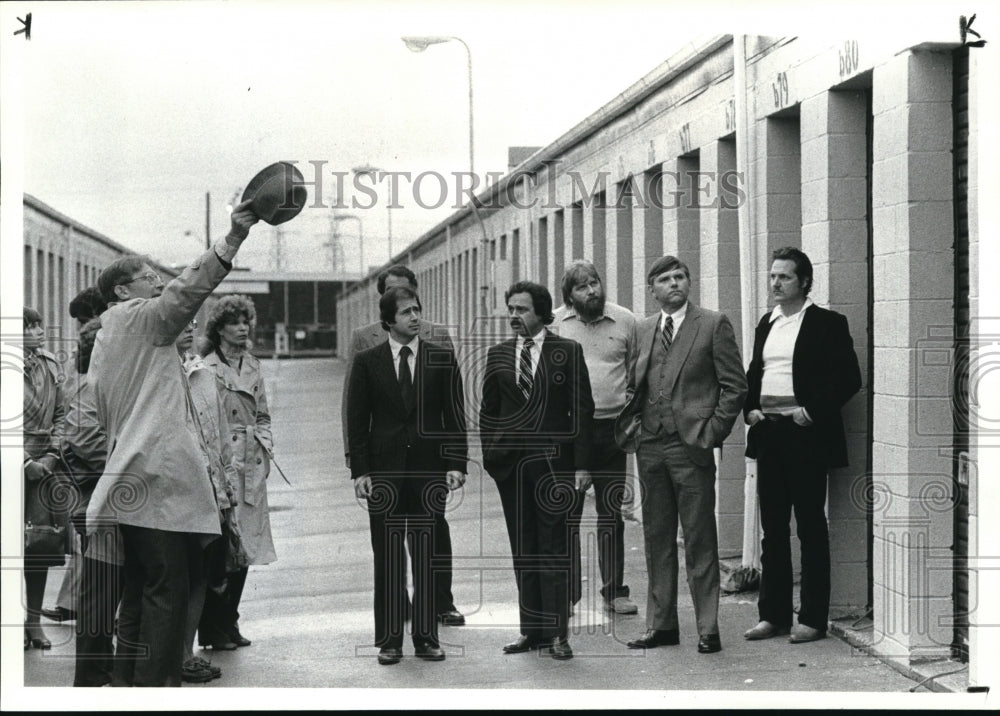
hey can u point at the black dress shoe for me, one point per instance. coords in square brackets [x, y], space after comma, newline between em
[237, 638]
[59, 614]
[388, 655]
[430, 652]
[656, 637]
[220, 644]
[452, 617]
[709, 644]
[558, 648]
[523, 644]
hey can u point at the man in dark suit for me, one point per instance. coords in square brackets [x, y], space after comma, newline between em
[534, 423]
[372, 335]
[407, 438]
[689, 388]
[803, 370]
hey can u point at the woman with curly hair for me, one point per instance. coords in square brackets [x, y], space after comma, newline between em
[241, 385]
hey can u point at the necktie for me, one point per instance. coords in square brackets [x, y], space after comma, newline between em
[405, 377]
[667, 334]
[524, 368]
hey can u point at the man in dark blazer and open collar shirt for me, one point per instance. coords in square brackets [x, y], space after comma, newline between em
[689, 388]
[534, 423]
[803, 370]
[408, 445]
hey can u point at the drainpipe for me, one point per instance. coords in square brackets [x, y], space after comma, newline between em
[748, 287]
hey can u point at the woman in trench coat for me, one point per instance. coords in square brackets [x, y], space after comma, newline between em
[241, 386]
[43, 418]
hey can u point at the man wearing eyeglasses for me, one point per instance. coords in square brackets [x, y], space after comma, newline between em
[156, 485]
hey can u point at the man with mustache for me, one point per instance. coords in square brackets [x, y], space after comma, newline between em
[535, 426]
[606, 331]
[804, 370]
[689, 387]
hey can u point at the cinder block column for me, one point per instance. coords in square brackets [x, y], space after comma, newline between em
[619, 280]
[574, 232]
[680, 217]
[595, 233]
[835, 237]
[778, 193]
[647, 224]
[913, 233]
[720, 291]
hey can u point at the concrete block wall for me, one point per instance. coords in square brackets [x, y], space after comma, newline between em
[913, 317]
[835, 237]
[647, 225]
[720, 291]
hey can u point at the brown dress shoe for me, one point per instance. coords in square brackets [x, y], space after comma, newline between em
[764, 630]
[802, 633]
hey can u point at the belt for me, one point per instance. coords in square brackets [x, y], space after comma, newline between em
[775, 417]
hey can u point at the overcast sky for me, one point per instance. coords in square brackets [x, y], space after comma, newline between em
[133, 111]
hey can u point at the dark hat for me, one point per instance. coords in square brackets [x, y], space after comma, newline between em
[278, 193]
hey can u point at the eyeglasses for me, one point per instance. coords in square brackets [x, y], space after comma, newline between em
[151, 276]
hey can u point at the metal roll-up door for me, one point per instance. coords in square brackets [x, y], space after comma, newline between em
[960, 395]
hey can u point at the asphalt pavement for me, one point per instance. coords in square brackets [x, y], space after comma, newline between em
[309, 614]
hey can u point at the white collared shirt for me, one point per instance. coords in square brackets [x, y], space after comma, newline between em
[535, 350]
[411, 361]
[779, 349]
[678, 317]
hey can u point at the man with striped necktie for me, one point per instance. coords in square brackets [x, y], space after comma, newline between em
[689, 386]
[535, 425]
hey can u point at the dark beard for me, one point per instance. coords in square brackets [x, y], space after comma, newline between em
[590, 311]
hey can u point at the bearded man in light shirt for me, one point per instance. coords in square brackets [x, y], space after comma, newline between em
[608, 336]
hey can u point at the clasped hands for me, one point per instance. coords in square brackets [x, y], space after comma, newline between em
[363, 485]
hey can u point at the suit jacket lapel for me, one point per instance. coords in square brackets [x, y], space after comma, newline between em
[647, 334]
[386, 373]
[681, 345]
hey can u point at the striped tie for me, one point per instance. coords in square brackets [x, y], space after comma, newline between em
[524, 368]
[667, 334]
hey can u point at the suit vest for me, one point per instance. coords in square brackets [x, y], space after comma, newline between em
[657, 410]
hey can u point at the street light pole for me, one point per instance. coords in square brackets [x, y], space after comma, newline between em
[371, 171]
[419, 44]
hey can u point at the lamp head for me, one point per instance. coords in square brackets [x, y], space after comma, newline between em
[419, 44]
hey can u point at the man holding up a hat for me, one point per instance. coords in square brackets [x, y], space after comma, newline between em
[156, 485]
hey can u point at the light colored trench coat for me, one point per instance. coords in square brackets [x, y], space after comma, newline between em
[155, 476]
[245, 404]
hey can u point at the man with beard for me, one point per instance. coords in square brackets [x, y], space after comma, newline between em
[607, 333]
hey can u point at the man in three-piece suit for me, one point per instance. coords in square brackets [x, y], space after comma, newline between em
[535, 422]
[373, 335]
[689, 387]
[408, 447]
[804, 369]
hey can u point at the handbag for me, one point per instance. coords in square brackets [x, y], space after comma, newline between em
[46, 541]
[46, 510]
